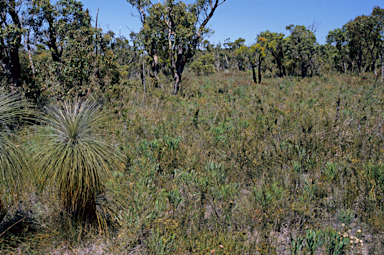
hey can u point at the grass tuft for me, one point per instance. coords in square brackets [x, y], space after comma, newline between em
[74, 159]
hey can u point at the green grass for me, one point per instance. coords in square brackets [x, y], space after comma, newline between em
[230, 167]
[12, 162]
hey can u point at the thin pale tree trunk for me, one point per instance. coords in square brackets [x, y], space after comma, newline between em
[382, 66]
[26, 42]
[143, 76]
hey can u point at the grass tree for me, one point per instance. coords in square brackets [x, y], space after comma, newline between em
[73, 159]
[12, 108]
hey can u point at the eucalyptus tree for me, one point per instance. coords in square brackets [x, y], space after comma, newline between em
[54, 24]
[276, 44]
[356, 50]
[72, 57]
[64, 31]
[378, 15]
[338, 38]
[368, 32]
[219, 56]
[254, 55]
[239, 51]
[266, 44]
[11, 32]
[300, 49]
[173, 30]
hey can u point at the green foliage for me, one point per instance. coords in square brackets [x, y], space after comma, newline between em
[172, 30]
[297, 243]
[331, 171]
[300, 50]
[336, 244]
[72, 58]
[313, 240]
[72, 159]
[224, 167]
[345, 216]
[203, 64]
[158, 244]
[12, 161]
[11, 31]
[268, 197]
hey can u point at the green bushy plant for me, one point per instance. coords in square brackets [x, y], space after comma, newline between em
[12, 162]
[74, 160]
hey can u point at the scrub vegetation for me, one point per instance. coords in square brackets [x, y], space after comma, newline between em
[117, 146]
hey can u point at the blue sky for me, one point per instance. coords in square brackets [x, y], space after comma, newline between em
[247, 18]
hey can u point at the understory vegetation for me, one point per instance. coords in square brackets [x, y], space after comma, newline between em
[165, 143]
[289, 166]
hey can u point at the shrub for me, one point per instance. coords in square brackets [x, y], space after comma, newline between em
[73, 159]
[11, 158]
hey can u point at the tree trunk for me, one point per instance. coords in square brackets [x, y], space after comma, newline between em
[259, 69]
[176, 85]
[254, 73]
[359, 61]
[143, 74]
[9, 55]
[180, 64]
[345, 67]
[52, 42]
[303, 71]
[374, 63]
[97, 17]
[155, 70]
[16, 67]
[26, 42]
[226, 60]
[279, 65]
[218, 63]
[382, 66]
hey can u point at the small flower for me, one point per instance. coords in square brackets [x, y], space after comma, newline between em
[343, 225]
[358, 231]
[221, 246]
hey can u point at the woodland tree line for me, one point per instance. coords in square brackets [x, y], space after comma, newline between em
[51, 49]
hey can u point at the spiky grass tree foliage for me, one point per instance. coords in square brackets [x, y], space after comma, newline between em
[12, 109]
[73, 159]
